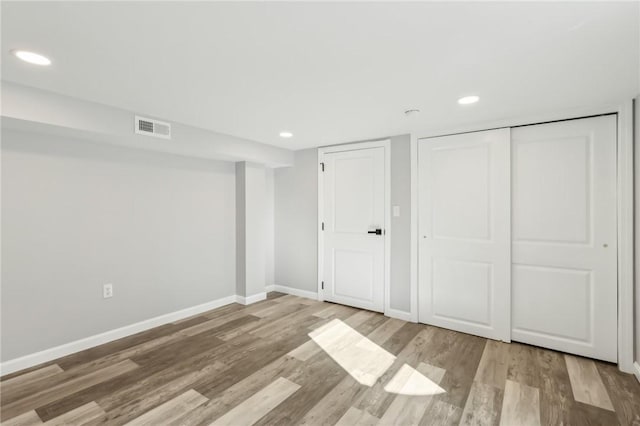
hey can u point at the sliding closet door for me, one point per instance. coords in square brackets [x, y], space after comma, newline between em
[464, 231]
[564, 236]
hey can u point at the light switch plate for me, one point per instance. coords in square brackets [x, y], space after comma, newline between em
[107, 291]
[396, 211]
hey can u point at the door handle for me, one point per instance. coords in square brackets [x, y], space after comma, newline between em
[377, 232]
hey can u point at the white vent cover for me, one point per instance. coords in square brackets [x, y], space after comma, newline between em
[151, 127]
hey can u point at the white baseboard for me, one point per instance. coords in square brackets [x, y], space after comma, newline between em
[293, 291]
[251, 299]
[395, 313]
[636, 370]
[50, 354]
[108, 336]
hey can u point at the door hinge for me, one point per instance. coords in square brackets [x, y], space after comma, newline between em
[323, 226]
[323, 285]
[322, 164]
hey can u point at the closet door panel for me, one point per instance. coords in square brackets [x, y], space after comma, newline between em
[464, 266]
[564, 273]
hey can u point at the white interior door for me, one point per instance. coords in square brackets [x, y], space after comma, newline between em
[354, 227]
[464, 232]
[564, 236]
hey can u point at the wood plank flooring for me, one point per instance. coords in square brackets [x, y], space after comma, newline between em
[289, 361]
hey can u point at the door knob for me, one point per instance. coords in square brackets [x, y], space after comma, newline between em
[377, 232]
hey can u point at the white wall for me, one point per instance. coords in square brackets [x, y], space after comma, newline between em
[269, 217]
[26, 108]
[636, 146]
[400, 289]
[296, 219]
[77, 215]
[251, 229]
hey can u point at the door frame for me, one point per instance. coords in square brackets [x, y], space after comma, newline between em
[625, 210]
[386, 144]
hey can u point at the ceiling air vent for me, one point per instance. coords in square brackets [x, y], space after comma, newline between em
[150, 127]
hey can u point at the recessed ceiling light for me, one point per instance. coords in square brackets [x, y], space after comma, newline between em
[31, 57]
[468, 100]
[286, 134]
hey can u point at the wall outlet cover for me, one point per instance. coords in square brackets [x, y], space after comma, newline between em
[107, 291]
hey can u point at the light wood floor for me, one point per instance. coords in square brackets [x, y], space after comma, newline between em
[289, 360]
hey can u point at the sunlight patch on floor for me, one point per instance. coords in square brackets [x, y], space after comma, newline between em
[365, 361]
[409, 381]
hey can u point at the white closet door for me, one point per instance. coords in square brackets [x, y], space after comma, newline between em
[464, 226]
[564, 236]
[354, 218]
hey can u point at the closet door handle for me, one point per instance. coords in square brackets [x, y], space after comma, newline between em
[377, 232]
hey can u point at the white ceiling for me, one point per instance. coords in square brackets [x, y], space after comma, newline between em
[328, 72]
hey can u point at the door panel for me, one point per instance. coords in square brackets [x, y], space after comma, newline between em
[467, 284]
[564, 184]
[564, 236]
[355, 201]
[353, 273]
[354, 204]
[460, 185]
[565, 315]
[464, 225]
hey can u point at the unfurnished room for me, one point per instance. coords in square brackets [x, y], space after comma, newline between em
[320, 213]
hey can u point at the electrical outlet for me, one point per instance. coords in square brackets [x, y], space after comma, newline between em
[107, 291]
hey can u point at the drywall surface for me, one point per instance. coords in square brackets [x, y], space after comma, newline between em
[77, 215]
[26, 108]
[241, 268]
[400, 288]
[270, 234]
[296, 221]
[636, 146]
[251, 229]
